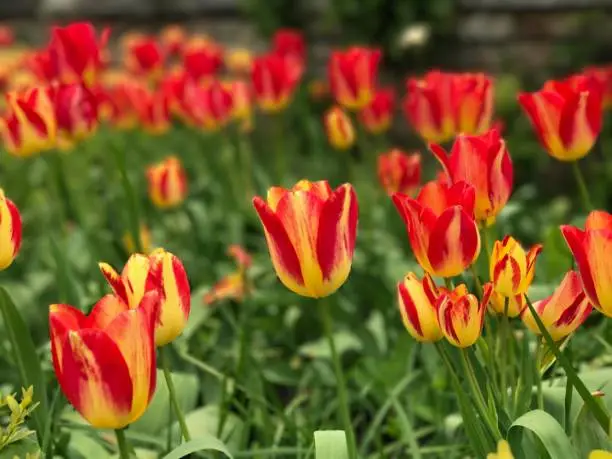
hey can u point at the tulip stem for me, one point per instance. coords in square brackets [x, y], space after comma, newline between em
[326, 320]
[163, 358]
[124, 450]
[133, 213]
[582, 188]
[477, 394]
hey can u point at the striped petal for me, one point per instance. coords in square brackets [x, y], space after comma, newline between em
[461, 318]
[136, 278]
[114, 280]
[10, 231]
[105, 311]
[63, 318]
[597, 247]
[419, 221]
[417, 301]
[575, 239]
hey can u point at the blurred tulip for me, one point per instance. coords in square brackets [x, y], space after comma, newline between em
[172, 38]
[591, 248]
[7, 36]
[339, 128]
[160, 272]
[105, 362]
[484, 162]
[202, 60]
[418, 304]
[516, 304]
[145, 239]
[399, 172]
[210, 106]
[353, 76]
[154, 112]
[289, 44]
[242, 109]
[76, 112]
[503, 451]
[472, 95]
[273, 83]
[10, 231]
[441, 227]
[376, 117]
[562, 312]
[511, 269]
[428, 106]
[239, 61]
[603, 75]
[145, 57]
[118, 103]
[233, 286]
[167, 183]
[310, 231]
[567, 116]
[28, 126]
[240, 255]
[44, 64]
[175, 86]
[79, 50]
[461, 315]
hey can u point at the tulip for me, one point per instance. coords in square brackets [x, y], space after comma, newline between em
[145, 56]
[418, 304]
[241, 102]
[339, 128]
[239, 61]
[428, 106]
[377, 115]
[473, 102]
[567, 116]
[105, 362]
[273, 82]
[591, 248]
[76, 112]
[172, 38]
[240, 255]
[10, 231]
[484, 162]
[510, 306]
[145, 239]
[119, 103]
[167, 183]
[79, 51]
[154, 112]
[562, 312]
[353, 75]
[511, 269]
[210, 106]
[310, 231]
[160, 272]
[399, 172]
[290, 45]
[442, 231]
[202, 59]
[28, 126]
[461, 315]
[44, 64]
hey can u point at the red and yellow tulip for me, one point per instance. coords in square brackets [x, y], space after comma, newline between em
[461, 315]
[210, 105]
[144, 56]
[145, 240]
[473, 102]
[339, 128]
[376, 117]
[202, 59]
[353, 76]
[154, 111]
[234, 286]
[10, 231]
[160, 272]
[441, 227]
[399, 172]
[591, 248]
[173, 38]
[566, 115]
[418, 304]
[512, 269]
[273, 81]
[310, 230]
[167, 183]
[482, 161]
[105, 362]
[562, 312]
[76, 112]
[290, 44]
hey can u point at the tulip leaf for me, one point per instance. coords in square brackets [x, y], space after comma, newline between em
[547, 430]
[587, 435]
[330, 444]
[26, 360]
[204, 442]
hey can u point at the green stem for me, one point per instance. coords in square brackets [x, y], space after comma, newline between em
[124, 450]
[476, 280]
[326, 320]
[480, 403]
[163, 358]
[133, 211]
[484, 236]
[503, 352]
[582, 188]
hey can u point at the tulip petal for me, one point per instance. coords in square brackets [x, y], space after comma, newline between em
[63, 318]
[597, 247]
[176, 302]
[419, 221]
[95, 378]
[575, 239]
[598, 219]
[105, 311]
[10, 231]
[114, 280]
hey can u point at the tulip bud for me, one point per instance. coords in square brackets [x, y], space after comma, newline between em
[483, 162]
[339, 129]
[511, 269]
[566, 115]
[290, 45]
[10, 231]
[167, 183]
[399, 172]
[461, 316]
[310, 230]
[202, 59]
[562, 312]
[76, 112]
[274, 82]
[145, 57]
[376, 117]
[418, 303]
[154, 112]
[353, 75]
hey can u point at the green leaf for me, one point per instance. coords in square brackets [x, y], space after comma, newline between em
[205, 442]
[547, 430]
[345, 341]
[28, 364]
[587, 435]
[330, 444]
